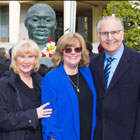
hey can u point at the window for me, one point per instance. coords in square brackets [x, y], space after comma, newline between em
[4, 24]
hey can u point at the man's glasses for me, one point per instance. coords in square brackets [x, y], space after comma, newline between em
[113, 33]
[69, 49]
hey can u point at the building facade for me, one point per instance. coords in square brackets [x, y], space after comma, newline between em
[85, 16]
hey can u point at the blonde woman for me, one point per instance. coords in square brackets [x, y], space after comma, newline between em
[69, 88]
[20, 108]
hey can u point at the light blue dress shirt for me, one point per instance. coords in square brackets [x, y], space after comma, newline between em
[114, 63]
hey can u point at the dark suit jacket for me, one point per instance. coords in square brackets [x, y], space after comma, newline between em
[118, 107]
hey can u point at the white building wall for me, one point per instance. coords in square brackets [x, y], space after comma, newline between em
[22, 30]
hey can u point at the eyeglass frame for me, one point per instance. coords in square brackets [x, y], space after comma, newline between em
[115, 32]
[76, 50]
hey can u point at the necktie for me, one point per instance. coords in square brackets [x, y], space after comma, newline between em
[107, 69]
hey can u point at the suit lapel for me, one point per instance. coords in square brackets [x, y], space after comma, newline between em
[120, 70]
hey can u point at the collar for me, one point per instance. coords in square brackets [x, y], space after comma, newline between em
[117, 55]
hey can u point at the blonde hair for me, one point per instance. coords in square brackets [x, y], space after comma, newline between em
[70, 39]
[24, 47]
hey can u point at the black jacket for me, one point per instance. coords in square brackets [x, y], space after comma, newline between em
[14, 121]
[4, 66]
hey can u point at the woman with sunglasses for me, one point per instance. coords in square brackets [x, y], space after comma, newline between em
[69, 87]
[20, 93]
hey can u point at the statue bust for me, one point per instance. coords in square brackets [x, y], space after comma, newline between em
[41, 24]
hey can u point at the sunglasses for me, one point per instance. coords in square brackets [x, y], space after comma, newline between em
[69, 50]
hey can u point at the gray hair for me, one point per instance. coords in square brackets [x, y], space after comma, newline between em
[108, 17]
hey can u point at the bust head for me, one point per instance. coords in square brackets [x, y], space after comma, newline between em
[41, 23]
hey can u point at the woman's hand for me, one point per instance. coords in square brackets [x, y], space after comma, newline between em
[43, 113]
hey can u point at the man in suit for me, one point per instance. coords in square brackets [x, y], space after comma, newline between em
[117, 83]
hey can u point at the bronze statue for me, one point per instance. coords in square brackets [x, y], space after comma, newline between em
[41, 23]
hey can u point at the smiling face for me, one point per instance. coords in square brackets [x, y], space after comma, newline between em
[25, 63]
[41, 24]
[72, 59]
[110, 35]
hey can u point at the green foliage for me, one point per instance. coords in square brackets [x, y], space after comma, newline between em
[129, 13]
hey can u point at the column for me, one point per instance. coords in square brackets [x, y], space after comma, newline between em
[14, 21]
[69, 16]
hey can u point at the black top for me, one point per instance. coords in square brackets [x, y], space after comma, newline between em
[85, 98]
[30, 98]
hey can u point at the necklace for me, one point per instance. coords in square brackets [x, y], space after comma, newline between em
[76, 86]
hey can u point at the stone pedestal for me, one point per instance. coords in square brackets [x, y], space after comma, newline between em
[46, 61]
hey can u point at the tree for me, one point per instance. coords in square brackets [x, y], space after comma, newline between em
[129, 13]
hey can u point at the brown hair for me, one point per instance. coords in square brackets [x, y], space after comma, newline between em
[70, 39]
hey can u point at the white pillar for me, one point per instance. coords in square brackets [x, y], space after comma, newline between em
[69, 16]
[14, 21]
